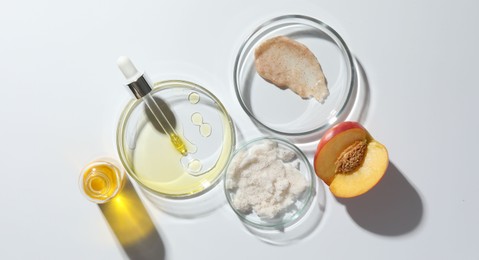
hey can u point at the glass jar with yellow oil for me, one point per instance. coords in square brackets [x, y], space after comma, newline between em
[101, 180]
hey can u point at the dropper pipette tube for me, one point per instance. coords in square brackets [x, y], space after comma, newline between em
[141, 89]
[167, 128]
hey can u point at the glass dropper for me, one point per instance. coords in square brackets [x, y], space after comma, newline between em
[141, 88]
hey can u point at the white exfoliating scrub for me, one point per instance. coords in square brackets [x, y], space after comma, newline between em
[266, 179]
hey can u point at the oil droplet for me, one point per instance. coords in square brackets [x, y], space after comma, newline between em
[205, 130]
[194, 166]
[196, 118]
[98, 184]
[194, 98]
[101, 180]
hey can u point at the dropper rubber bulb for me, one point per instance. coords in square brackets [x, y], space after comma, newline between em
[128, 69]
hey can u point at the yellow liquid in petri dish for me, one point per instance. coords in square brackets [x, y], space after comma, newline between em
[197, 118]
[151, 159]
[194, 98]
[157, 164]
[101, 181]
[178, 143]
[205, 128]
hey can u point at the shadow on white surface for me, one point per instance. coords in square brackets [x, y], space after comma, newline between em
[356, 109]
[305, 226]
[190, 208]
[132, 225]
[392, 208]
[240, 137]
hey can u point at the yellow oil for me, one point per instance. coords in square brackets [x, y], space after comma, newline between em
[205, 128]
[197, 118]
[178, 143]
[195, 166]
[101, 180]
[157, 164]
[194, 98]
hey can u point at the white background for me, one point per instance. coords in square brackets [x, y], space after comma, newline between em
[62, 96]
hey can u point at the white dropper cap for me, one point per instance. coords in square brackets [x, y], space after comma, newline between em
[128, 69]
[136, 81]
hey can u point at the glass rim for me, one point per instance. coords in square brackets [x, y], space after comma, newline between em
[311, 188]
[119, 172]
[125, 115]
[297, 19]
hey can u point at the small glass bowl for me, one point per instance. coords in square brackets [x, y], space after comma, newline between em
[101, 180]
[148, 155]
[292, 213]
[282, 111]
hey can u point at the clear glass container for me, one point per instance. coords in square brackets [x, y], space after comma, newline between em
[101, 180]
[288, 215]
[281, 111]
[148, 155]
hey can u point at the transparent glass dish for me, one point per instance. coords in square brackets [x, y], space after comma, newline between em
[148, 155]
[101, 180]
[287, 216]
[282, 111]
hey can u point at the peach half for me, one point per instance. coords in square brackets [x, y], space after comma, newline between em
[349, 160]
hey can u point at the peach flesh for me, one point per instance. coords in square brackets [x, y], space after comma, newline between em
[360, 179]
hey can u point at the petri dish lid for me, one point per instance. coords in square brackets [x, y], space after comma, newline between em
[282, 111]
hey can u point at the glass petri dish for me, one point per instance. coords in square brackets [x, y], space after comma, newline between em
[237, 178]
[282, 111]
[148, 155]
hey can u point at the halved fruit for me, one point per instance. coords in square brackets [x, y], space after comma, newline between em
[349, 160]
